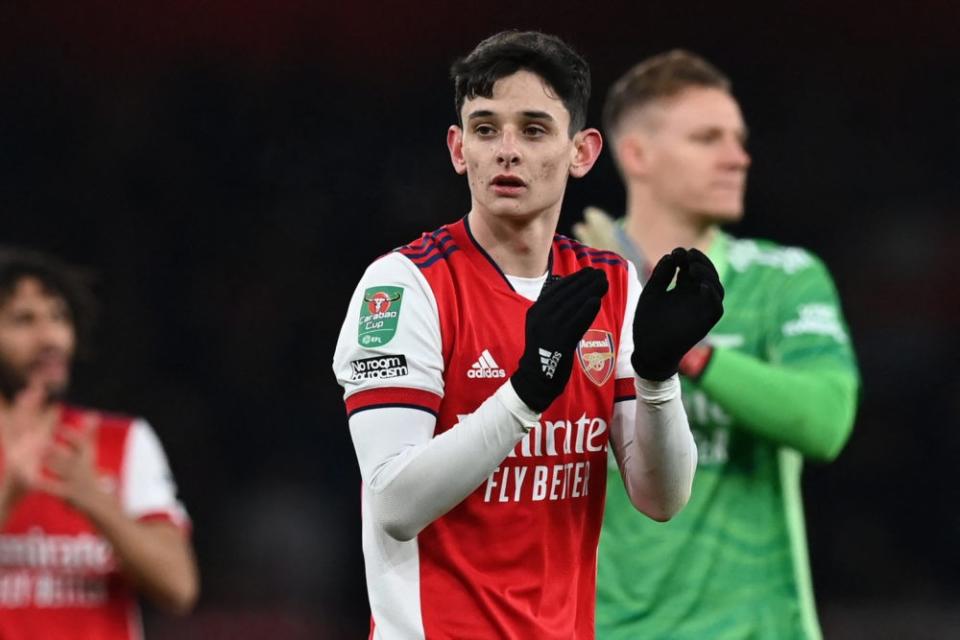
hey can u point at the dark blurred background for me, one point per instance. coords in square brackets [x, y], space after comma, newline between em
[230, 168]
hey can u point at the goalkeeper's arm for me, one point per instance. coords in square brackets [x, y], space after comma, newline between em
[808, 409]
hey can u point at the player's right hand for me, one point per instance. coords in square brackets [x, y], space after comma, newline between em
[555, 325]
[24, 439]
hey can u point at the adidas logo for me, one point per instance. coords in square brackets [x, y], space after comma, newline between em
[549, 361]
[486, 367]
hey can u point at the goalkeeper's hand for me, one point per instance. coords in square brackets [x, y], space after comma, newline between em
[555, 324]
[597, 230]
[695, 362]
[668, 324]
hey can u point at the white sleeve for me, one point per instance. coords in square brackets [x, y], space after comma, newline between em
[650, 436]
[624, 366]
[413, 478]
[390, 337]
[148, 487]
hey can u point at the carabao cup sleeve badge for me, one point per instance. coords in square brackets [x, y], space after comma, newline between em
[596, 353]
[379, 315]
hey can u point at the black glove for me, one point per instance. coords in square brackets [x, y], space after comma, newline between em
[668, 323]
[555, 325]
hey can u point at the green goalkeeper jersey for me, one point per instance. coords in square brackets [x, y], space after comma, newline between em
[782, 384]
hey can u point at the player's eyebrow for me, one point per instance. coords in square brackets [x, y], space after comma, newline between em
[538, 115]
[742, 133]
[533, 115]
[480, 113]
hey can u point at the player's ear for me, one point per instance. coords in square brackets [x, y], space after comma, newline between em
[632, 155]
[455, 145]
[587, 144]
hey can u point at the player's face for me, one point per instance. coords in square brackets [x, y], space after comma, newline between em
[515, 148]
[37, 339]
[695, 160]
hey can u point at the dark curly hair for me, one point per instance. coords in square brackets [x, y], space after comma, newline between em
[57, 278]
[507, 52]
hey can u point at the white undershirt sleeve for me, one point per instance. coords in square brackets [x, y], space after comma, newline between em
[650, 436]
[413, 478]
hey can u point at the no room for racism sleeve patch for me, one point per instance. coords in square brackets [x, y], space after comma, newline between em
[379, 367]
[379, 314]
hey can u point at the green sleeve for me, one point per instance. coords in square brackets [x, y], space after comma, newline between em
[811, 411]
[802, 392]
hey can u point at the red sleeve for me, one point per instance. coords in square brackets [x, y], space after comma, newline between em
[624, 389]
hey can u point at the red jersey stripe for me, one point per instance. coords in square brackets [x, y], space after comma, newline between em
[393, 397]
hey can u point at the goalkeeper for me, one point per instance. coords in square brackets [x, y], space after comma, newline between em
[773, 383]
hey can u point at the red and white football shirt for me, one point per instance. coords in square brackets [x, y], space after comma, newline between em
[437, 326]
[58, 576]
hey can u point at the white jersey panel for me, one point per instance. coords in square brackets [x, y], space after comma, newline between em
[624, 367]
[147, 485]
[391, 334]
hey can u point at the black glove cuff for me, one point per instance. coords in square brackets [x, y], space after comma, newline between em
[536, 395]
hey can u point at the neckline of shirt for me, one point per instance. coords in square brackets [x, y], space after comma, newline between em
[529, 288]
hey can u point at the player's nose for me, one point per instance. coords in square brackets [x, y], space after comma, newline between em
[735, 155]
[508, 151]
[50, 333]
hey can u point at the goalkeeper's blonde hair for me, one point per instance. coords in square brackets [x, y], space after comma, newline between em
[662, 76]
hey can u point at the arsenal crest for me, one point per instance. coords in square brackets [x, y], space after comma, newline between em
[596, 353]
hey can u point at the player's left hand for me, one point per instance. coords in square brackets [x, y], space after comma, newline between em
[668, 324]
[71, 470]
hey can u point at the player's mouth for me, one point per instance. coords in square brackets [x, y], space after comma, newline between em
[508, 185]
[728, 185]
[51, 365]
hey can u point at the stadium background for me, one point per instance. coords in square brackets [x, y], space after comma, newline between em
[229, 168]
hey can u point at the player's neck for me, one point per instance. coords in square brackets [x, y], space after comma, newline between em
[519, 247]
[657, 230]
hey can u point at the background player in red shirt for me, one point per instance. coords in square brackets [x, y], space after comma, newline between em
[488, 366]
[88, 512]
